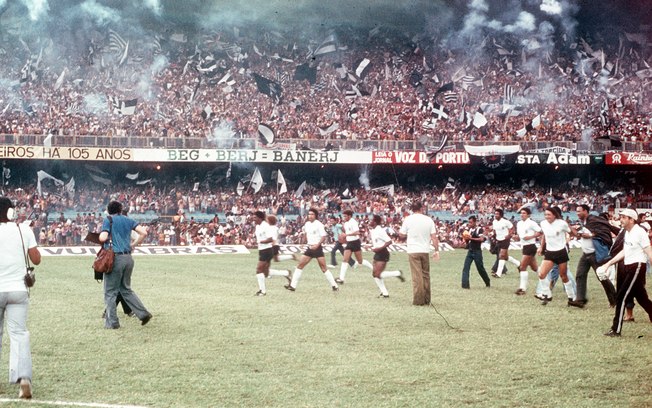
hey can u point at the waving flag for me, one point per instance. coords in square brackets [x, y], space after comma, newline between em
[281, 180]
[256, 181]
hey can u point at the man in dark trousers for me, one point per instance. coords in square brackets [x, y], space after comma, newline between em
[473, 235]
[593, 228]
[636, 253]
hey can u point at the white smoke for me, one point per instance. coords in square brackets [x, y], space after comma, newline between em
[37, 8]
[364, 178]
[101, 14]
[551, 7]
[222, 134]
[96, 104]
[154, 5]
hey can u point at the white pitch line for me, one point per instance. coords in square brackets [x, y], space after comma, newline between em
[69, 403]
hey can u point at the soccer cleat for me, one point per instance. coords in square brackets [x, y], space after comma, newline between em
[519, 292]
[289, 277]
[335, 288]
[339, 281]
[260, 293]
[289, 287]
[545, 300]
[495, 275]
[25, 391]
[612, 333]
[400, 277]
[541, 296]
[383, 296]
[575, 303]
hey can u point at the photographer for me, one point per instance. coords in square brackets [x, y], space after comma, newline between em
[118, 282]
[15, 239]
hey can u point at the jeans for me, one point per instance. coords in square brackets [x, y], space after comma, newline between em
[474, 255]
[119, 282]
[13, 308]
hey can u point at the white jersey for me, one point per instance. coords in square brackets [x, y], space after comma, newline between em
[587, 243]
[273, 232]
[314, 232]
[636, 240]
[379, 237]
[555, 234]
[418, 228]
[527, 228]
[351, 226]
[12, 261]
[501, 227]
[263, 233]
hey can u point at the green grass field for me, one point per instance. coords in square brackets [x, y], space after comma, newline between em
[211, 343]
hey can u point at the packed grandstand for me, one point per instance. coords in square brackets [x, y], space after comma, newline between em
[471, 109]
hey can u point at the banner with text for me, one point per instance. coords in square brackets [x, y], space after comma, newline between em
[622, 158]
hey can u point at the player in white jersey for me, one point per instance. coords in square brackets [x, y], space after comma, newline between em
[503, 230]
[379, 243]
[265, 238]
[315, 236]
[553, 246]
[527, 232]
[351, 231]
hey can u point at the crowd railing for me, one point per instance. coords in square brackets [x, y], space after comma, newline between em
[187, 142]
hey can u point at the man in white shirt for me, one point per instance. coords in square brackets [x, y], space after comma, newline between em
[315, 236]
[419, 231]
[636, 253]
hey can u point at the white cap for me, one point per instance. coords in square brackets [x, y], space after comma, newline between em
[628, 212]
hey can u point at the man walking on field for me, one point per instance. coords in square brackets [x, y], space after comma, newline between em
[419, 231]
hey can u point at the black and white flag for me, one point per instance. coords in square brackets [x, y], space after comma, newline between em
[268, 87]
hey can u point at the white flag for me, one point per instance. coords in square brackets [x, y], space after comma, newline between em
[70, 187]
[281, 180]
[132, 176]
[240, 188]
[299, 191]
[256, 181]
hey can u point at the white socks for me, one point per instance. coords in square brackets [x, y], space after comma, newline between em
[330, 279]
[367, 264]
[545, 286]
[279, 272]
[570, 290]
[523, 281]
[500, 267]
[390, 274]
[286, 257]
[343, 269]
[261, 282]
[514, 261]
[381, 285]
[295, 277]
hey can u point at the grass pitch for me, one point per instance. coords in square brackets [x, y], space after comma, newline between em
[211, 343]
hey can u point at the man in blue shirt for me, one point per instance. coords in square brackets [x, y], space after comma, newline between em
[116, 231]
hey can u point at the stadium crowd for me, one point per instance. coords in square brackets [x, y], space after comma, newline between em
[61, 219]
[411, 89]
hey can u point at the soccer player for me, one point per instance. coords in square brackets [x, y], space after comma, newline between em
[315, 235]
[554, 230]
[265, 251]
[379, 243]
[278, 257]
[353, 245]
[527, 231]
[503, 230]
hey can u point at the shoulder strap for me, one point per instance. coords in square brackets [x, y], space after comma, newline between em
[29, 265]
[110, 231]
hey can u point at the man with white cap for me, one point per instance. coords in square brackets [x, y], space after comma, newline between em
[636, 252]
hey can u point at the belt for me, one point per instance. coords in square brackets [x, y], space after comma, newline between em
[123, 253]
